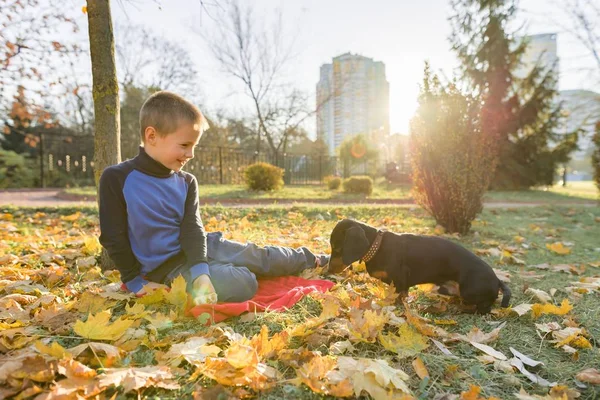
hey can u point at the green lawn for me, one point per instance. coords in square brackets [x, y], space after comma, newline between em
[522, 232]
[573, 192]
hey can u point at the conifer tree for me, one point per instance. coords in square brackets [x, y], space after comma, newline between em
[519, 110]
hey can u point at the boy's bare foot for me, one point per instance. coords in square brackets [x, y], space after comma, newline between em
[203, 291]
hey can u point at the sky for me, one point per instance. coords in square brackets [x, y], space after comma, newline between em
[401, 33]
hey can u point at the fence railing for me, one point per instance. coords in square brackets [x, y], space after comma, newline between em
[68, 161]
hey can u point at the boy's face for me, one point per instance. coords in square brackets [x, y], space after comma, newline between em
[175, 149]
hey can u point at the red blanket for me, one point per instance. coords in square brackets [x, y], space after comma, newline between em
[273, 294]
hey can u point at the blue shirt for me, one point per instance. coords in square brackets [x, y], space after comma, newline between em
[150, 221]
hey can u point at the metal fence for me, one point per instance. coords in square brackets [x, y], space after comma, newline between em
[67, 160]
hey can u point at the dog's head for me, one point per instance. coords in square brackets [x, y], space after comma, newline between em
[348, 244]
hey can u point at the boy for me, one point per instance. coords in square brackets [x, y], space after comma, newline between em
[150, 223]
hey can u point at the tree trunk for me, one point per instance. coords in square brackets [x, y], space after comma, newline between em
[107, 133]
[107, 150]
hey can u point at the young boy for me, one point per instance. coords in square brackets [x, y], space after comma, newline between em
[150, 223]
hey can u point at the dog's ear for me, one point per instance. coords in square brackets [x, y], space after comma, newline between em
[356, 245]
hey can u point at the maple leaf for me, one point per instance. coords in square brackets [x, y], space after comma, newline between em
[138, 378]
[97, 348]
[90, 303]
[268, 348]
[541, 309]
[316, 375]
[478, 336]
[558, 248]
[375, 377]
[55, 350]
[364, 326]
[161, 321]
[241, 355]
[98, 327]
[407, 343]
[178, 295]
[194, 350]
[257, 377]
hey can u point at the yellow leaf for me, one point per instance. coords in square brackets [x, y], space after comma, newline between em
[407, 343]
[540, 309]
[136, 309]
[155, 296]
[161, 321]
[84, 9]
[241, 355]
[54, 350]
[178, 295]
[267, 348]
[98, 327]
[91, 245]
[420, 368]
[90, 303]
[558, 248]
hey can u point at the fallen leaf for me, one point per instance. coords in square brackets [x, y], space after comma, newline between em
[98, 327]
[420, 368]
[489, 350]
[541, 309]
[558, 248]
[406, 343]
[589, 375]
[138, 378]
[540, 295]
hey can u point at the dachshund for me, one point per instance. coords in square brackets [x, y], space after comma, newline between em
[408, 260]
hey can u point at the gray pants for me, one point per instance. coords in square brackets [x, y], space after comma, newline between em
[234, 266]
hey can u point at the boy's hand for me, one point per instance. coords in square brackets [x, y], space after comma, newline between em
[203, 291]
[149, 288]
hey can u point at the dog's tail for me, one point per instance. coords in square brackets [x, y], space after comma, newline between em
[505, 294]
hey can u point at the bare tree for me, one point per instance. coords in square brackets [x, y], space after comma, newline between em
[146, 60]
[256, 53]
[584, 25]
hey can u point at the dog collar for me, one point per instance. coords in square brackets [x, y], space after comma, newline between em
[374, 246]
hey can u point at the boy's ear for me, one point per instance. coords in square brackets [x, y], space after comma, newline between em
[150, 135]
[356, 245]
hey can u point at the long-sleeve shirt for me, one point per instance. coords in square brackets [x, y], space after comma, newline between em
[150, 220]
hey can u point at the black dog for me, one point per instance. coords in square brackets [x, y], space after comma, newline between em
[408, 260]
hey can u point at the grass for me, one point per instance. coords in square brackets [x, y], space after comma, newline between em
[311, 225]
[573, 192]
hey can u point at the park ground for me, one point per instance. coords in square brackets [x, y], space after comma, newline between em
[353, 338]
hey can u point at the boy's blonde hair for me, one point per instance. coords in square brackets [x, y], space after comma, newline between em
[164, 111]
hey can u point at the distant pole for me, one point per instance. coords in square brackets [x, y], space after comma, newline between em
[42, 183]
[221, 165]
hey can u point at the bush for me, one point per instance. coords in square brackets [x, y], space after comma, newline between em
[17, 171]
[596, 155]
[333, 182]
[358, 184]
[263, 176]
[453, 161]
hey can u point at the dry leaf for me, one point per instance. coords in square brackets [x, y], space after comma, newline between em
[558, 248]
[541, 309]
[98, 327]
[589, 375]
[420, 368]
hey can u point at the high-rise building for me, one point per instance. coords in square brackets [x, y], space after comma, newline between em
[542, 50]
[582, 109]
[352, 98]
